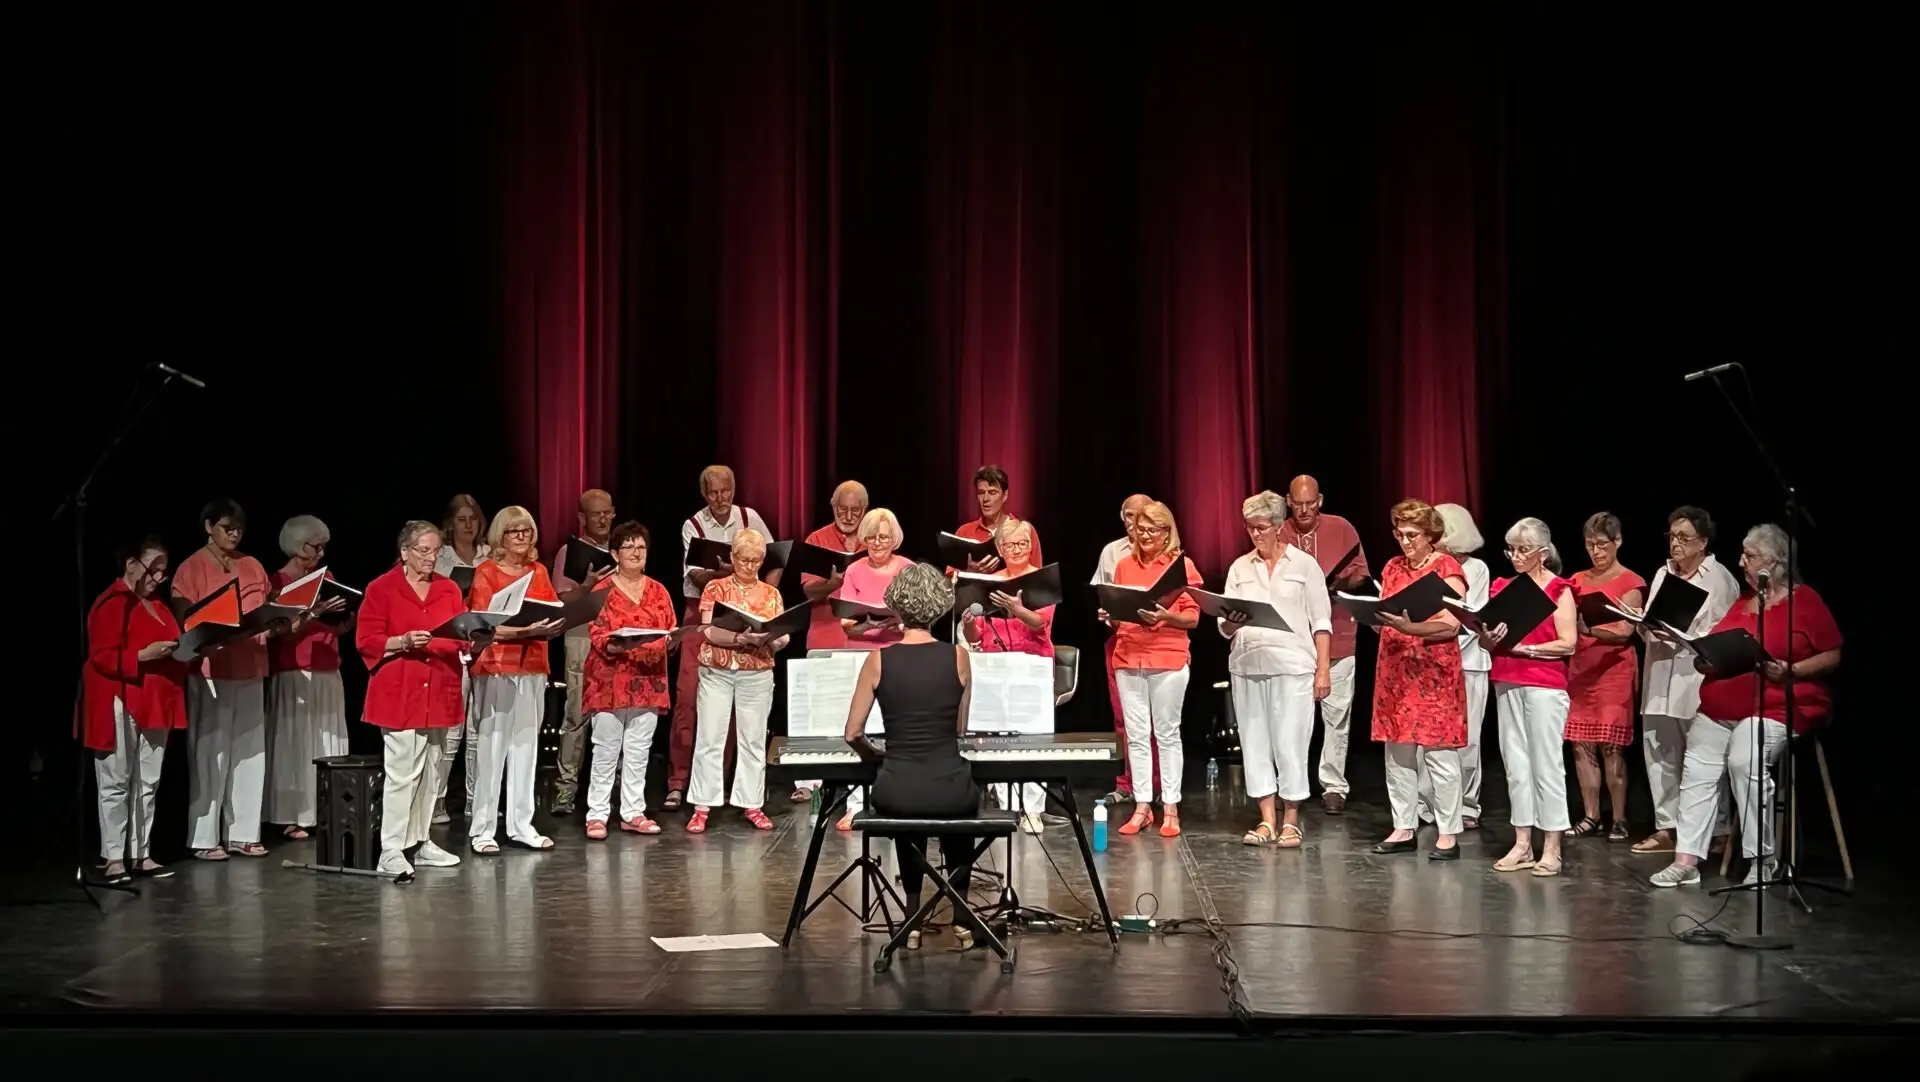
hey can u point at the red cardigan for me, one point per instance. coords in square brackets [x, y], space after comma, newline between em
[419, 689]
[154, 692]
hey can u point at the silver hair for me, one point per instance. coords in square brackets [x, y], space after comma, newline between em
[845, 487]
[1462, 537]
[1532, 531]
[1773, 546]
[300, 531]
[920, 595]
[1266, 504]
[412, 532]
[871, 521]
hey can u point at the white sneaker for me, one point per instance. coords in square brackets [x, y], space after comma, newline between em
[1758, 870]
[394, 862]
[1032, 823]
[1673, 875]
[433, 856]
[440, 815]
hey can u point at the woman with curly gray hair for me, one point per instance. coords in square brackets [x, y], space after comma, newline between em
[923, 687]
[306, 703]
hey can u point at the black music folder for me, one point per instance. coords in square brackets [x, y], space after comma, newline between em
[1220, 606]
[1038, 589]
[1674, 604]
[1334, 575]
[583, 607]
[713, 555]
[854, 610]
[790, 622]
[648, 634]
[309, 591]
[1727, 653]
[1417, 601]
[1125, 603]
[330, 589]
[584, 558]
[1597, 609]
[810, 559]
[462, 576]
[511, 603]
[957, 550]
[210, 621]
[1521, 605]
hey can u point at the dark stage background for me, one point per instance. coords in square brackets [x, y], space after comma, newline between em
[518, 249]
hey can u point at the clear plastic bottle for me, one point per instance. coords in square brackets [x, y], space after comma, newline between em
[1100, 826]
[1213, 773]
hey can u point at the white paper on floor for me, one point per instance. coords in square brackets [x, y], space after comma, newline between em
[740, 941]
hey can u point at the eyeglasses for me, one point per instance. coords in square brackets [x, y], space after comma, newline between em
[1523, 551]
[637, 546]
[1148, 531]
[424, 552]
[228, 527]
[1683, 538]
[1408, 535]
[1258, 530]
[517, 531]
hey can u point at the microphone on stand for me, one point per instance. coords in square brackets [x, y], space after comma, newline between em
[978, 611]
[1714, 371]
[179, 375]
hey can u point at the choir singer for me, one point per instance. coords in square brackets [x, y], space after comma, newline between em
[736, 680]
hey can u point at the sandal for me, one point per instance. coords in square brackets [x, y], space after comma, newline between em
[758, 818]
[640, 824]
[1142, 819]
[1290, 837]
[153, 869]
[251, 849]
[296, 833]
[539, 842]
[1585, 828]
[1660, 841]
[115, 872]
[801, 795]
[1546, 869]
[845, 823]
[596, 830]
[676, 799]
[697, 824]
[486, 847]
[1509, 863]
[1260, 835]
[1617, 832]
[1469, 823]
[210, 854]
[1169, 823]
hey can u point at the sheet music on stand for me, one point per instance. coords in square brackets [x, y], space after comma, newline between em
[1012, 693]
[820, 692]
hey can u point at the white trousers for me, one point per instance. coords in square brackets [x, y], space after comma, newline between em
[1469, 755]
[406, 805]
[307, 714]
[1407, 765]
[1717, 754]
[456, 736]
[227, 734]
[1335, 711]
[1275, 715]
[1150, 703]
[124, 782]
[1533, 731]
[1031, 799]
[506, 732]
[1664, 739]
[746, 696]
[622, 740]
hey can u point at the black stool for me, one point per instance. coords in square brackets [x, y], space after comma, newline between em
[348, 810]
[984, 828]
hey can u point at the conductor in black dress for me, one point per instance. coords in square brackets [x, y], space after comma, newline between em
[923, 687]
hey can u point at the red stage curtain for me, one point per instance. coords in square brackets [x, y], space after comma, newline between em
[994, 247]
[562, 217]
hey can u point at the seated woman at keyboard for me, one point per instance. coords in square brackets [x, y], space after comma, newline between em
[922, 686]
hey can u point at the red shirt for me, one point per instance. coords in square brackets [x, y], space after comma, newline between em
[1732, 698]
[636, 677]
[1533, 672]
[419, 689]
[978, 531]
[824, 631]
[313, 648]
[522, 657]
[1136, 646]
[1331, 538]
[119, 626]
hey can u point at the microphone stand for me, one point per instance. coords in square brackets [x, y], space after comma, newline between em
[1784, 873]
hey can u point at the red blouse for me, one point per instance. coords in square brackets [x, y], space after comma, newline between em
[636, 677]
[522, 657]
[313, 648]
[119, 626]
[1533, 672]
[1137, 646]
[419, 689]
[1732, 698]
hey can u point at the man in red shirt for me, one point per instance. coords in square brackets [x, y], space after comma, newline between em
[1335, 544]
[990, 489]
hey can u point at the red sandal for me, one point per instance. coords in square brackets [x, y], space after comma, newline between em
[759, 819]
[697, 823]
[596, 830]
[1142, 819]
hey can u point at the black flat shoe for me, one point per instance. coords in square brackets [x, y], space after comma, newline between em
[1444, 854]
[1408, 846]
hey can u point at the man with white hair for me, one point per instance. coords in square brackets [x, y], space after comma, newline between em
[824, 632]
[1110, 558]
[596, 525]
[1335, 545]
[719, 520]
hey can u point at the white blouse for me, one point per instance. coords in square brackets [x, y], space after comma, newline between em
[1672, 683]
[449, 559]
[1473, 656]
[1297, 589]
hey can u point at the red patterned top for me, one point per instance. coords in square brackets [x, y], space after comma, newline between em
[636, 677]
[1419, 690]
[756, 599]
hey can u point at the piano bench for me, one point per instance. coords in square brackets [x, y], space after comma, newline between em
[985, 828]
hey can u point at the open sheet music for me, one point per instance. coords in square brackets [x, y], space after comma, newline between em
[584, 558]
[1417, 601]
[1675, 603]
[1037, 589]
[704, 552]
[1521, 605]
[505, 605]
[1222, 607]
[1725, 652]
[790, 622]
[1011, 693]
[211, 621]
[820, 695]
[1126, 603]
[957, 550]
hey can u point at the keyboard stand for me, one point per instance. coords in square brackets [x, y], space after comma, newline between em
[875, 890]
[1062, 793]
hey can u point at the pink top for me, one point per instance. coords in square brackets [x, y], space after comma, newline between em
[1534, 672]
[1006, 634]
[199, 575]
[868, 584]
[313, 648]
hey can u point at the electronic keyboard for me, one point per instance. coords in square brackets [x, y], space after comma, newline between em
[1075, 758]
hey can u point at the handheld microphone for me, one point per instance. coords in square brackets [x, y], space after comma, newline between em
[1705, 372]
[179, 375]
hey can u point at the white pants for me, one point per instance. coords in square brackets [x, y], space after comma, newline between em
[1533, 730]
[1664, 739]
[622, 740]
[227, 734]
[1717, 753]
[1469, 755]
[137, 755]
[1150, 702]
[456, 736]
[746, 696]
[1031, 799]
[1407, 765]
[1335, 711]
[307, 714]
[506, 728]
[406, 805]
[1275, 715]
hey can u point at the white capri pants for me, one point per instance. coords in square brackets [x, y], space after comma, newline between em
[1407, 764]
[1275, 715]
[1469, 755]
[746, 696]
[622, 740]
[506, 730]
[138, 754]
[1717, 752]
[1533, 728]
[227, 733]
[1150, 703]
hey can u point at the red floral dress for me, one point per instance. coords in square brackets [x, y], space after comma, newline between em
[1602, 676]
[635, 678]
[1419, 691]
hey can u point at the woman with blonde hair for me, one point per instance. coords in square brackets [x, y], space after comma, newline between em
[867, 580]
[1461, 540]
[509, 688]
[736, 680]
[464, 526]
[1150, 667]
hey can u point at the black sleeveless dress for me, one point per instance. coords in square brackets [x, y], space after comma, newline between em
[923, 774]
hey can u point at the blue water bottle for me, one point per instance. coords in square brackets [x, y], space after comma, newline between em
[1100, 826]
